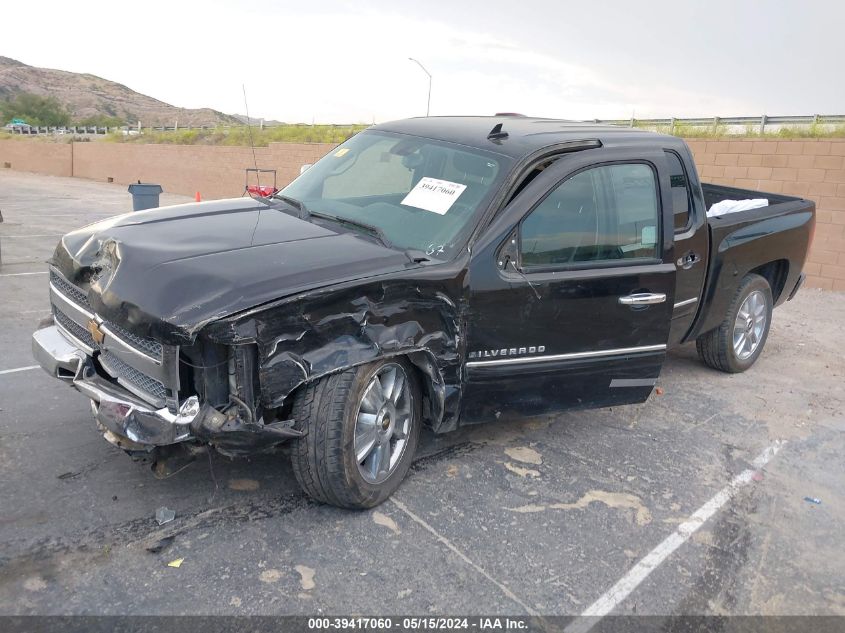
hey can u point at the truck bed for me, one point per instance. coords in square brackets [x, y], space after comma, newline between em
[771, 241]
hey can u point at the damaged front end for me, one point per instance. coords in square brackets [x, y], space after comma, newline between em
[198, 325]
[146, 395]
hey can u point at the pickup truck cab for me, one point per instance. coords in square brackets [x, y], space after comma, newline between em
[436, 271]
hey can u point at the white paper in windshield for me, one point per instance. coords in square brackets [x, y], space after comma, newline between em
[434, 195]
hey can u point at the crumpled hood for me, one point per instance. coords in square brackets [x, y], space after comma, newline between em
[167, 272]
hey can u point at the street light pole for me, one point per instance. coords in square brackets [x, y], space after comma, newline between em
[428, 104]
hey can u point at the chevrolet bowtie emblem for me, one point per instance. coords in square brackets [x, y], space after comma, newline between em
[96, 333]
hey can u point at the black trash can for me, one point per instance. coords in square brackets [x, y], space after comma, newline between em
[144, 195]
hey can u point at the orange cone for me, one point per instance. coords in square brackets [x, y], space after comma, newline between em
[197, 197]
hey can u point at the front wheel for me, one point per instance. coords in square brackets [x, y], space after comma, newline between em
[362, 429]
[738, 342]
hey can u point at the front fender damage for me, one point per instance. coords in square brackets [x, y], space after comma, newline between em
[307, 336]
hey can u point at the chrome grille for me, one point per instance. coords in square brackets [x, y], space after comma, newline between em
[78, 296]
[136, 362]
[135, 378]
[73, 328]
[75, 294]
[146, 345]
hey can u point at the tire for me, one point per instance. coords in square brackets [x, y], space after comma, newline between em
[717, 347]
[344, 408]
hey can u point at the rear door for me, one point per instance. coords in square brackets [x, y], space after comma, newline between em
[691, 241]
[571, 289]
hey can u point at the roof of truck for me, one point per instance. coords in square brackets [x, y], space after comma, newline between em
[525, 134]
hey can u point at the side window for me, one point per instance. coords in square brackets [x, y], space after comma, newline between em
[605, 213]
[680, 191]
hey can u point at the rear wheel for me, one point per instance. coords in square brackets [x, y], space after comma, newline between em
[362, 430]
[738, 342]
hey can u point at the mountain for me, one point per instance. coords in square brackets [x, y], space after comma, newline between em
[85, 96]
[256, 120]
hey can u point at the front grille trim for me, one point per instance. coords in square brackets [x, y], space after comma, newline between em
[69, 290]
[75, 294]
[148, 346]
[73, 328]
[136, 381]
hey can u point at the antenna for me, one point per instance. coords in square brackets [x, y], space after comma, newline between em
[496, 133]
[251, 143]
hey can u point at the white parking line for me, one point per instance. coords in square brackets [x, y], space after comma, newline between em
[17, 369]
[510, 594]
[639, 572]
[42, 272]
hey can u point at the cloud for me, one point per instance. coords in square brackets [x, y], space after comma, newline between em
[351, 65]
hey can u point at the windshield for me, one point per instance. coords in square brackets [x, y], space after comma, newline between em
[422, 194]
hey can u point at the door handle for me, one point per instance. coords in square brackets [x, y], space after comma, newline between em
[689, 260]
[642, 299]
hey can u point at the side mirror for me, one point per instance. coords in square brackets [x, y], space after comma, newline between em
[304, 168]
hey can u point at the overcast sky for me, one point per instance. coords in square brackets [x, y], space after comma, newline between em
[335, 61]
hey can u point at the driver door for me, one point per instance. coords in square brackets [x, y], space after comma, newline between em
[571, 290]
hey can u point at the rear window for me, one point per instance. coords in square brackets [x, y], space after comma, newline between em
[680, 191]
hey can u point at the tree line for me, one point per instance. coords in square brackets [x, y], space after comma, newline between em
[43, 111]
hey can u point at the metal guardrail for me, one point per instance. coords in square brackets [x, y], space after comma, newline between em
[83, 130]
[759, 122]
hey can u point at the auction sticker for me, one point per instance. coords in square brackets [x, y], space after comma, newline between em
[434, 195]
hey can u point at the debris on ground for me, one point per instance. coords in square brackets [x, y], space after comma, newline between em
[524, 454]
[815, 500]
[165, 515]
[610, 499]
[161, 544]
[385, 521]
[176, 563]
[244, 485]
[306, 577]
[659, 391]
[270, 576]
[522, 472]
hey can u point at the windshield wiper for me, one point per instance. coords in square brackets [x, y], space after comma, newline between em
[300, 210]
[369, 228]
[303, 213]
[417, 256]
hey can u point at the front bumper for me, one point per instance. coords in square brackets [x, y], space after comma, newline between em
[134, 425]
[126, 420]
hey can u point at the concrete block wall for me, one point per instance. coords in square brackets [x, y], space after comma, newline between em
[54, 159]
[811, 168]
[214, 171]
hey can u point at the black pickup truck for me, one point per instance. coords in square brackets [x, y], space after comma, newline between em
[438, 271]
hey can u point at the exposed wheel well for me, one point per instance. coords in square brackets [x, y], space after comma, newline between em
[430, 381]
[775, 273]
